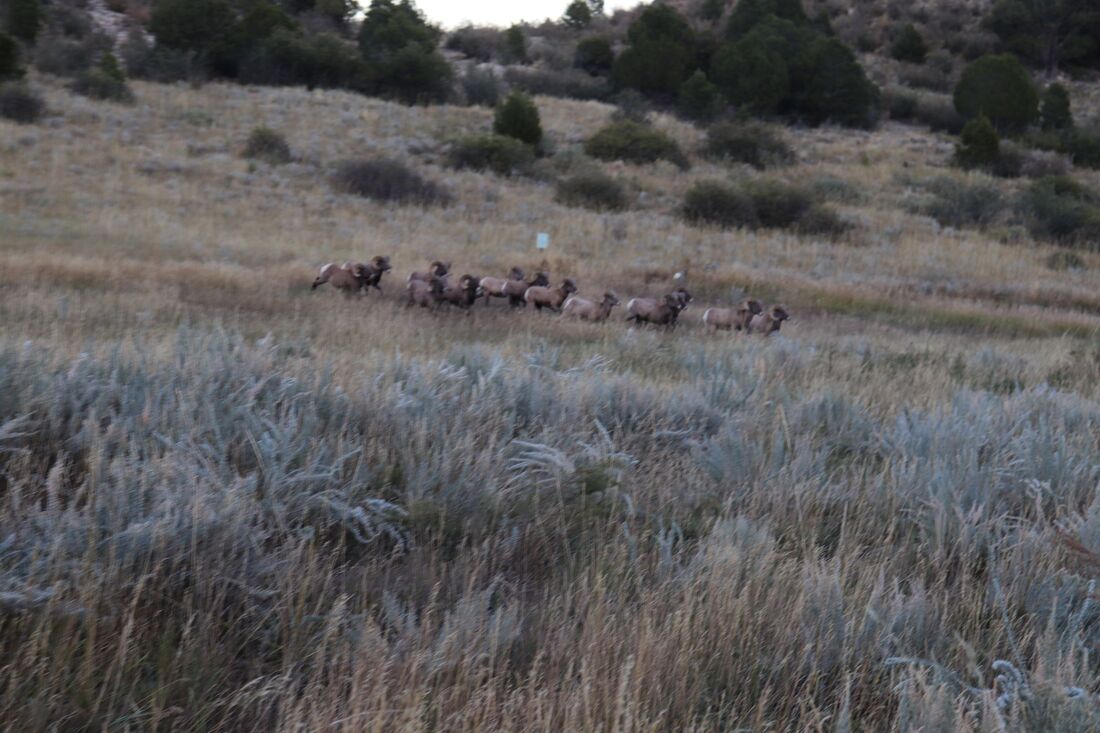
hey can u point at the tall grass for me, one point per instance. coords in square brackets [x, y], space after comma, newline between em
[221, 535]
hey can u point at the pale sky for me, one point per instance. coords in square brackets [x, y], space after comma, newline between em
[452, 13]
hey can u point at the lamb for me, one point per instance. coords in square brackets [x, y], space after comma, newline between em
[514, 290]
[436, 269]
[659, 312]
[769, 322]
[425, 294]
[588, 310]
[723, 319]
[495, 287]
[463, 295]
[348, 279]
[542, 296]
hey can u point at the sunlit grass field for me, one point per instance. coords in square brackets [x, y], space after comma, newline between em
[228, 502]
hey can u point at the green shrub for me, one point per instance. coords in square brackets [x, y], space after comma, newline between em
[19, 103]
[9, 58]
[634, 142]
[500, 154]
[752, 75]
[718, 204]
[62, 56]
[572, 84]
[787, 67]
[399, 48]
[1061, 210]
[481, 87]
[963, 203]
[909, 45]
[699, 99]
[778, 204]
[833, 87]
[1000, 88]
[208, 28]
[386, 179]
[1083, 147]
[1063, 260]
[515, 45]
[748, 14]
[760, 203]
[517, 116]
[899, 103]
[105, 82]
[661, 53]
[594, 55]
[319, 60]
[939, 113]
[822, 221]
[577, 15]
[482, 44]
[24, 19]
[979, 145]
[925, 77]
[750, 143]
[594, 190]
[267, 145]
[1055, 110]
[1009, 162]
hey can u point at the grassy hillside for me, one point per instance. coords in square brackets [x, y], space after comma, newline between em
[228, 502]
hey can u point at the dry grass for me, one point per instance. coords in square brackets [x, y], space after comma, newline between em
[230, 503]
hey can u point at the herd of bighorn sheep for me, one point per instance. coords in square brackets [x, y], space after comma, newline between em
[434, 287]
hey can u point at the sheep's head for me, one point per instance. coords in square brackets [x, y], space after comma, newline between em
[610, 298]
[439, 269]
[568, 286]
[752, 306]
[541, 280]
[675, 302]
[516, 273]
[359, 270]
[779, 313]
[469, 283]
[382, 263]
[683, 296]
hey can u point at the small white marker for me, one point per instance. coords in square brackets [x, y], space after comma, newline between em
[542, 241]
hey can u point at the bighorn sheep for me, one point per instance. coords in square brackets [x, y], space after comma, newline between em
[769, 322]
[495, 287]
[588, 310]
[436, 269]
[347, 279]
[516, 289]
[463, 295]
[542, 296]
[723, 319]
[662, 312]
[373, 272]
[425, 294]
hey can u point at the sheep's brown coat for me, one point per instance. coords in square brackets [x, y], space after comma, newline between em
[347, 279]
[374, 270]
[436, 269]
[724, 319]
[425, 294]
[542, 296]
[514, 290]
[496, 287]
[461, 295]
[663, 312]
[588, 310]
[769, 322]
